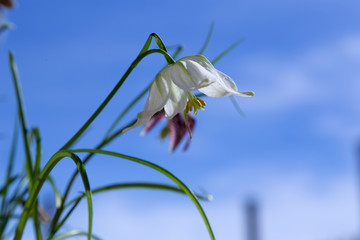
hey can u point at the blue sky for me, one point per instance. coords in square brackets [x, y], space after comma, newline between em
[294, 151]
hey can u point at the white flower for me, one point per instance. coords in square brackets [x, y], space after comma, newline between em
[173, 86]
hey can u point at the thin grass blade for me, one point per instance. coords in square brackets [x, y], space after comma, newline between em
[207, 40]
[157, 186]
[77, 135]
[146, 185]
[226, 51]
[22, 117]
[74, 233]
[237, 106]
[163, 171]
[56, 191]
[39, 183]
[9, 179]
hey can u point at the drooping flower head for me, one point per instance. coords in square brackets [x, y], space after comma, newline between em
[172, 89]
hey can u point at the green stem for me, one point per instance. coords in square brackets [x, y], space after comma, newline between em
[158, 186]
[127, 109]
[136, 99]
[29, 205]
[59, 210]
[8, 179]
[36, 133]
[226, 51]
[176, 180]
[207, 40]
[144, 52]
[26, 141]
[35, 215]
[111, 95]
[22, 118]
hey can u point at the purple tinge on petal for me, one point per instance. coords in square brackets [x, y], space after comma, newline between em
[153, 121]
[178, 130]
[191, 122]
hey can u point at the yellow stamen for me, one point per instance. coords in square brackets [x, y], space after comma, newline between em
[195, 102]
[203, 103]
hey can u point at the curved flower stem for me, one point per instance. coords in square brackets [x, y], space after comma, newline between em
[112, 93]
[160, 44]
[145, 185]
[136, 99]
[165, 172]
[29, 205]
[73, 203]
[61, 206]
[143, 53]
[107, 138]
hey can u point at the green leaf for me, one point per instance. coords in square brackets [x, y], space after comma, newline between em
[8, 178]
[164, 172]
[39, 183]
[56, 191]
[127, 109]
[111, 95]
[61, 223]
[226, 51]
[12, 202]
[58, 211]
[74, 233]
[177, 52]
[36, 134]
[158, 186]
[237, 105]
[73, 203]
[22, 117]
[207, 40]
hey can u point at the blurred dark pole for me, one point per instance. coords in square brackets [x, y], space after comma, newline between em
[251, 220]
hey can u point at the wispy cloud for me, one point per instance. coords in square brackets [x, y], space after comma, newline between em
[323, 74]
[292, 206]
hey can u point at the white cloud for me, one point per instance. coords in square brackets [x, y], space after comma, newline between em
[319, 75]
[292, 206]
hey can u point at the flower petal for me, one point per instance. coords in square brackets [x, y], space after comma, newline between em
[223, 86]
[177, 131]
[159, 116]
[143, 117]
[159, 93]
[191, 122]
[176, 103]
[193, 72]
[158, 96]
